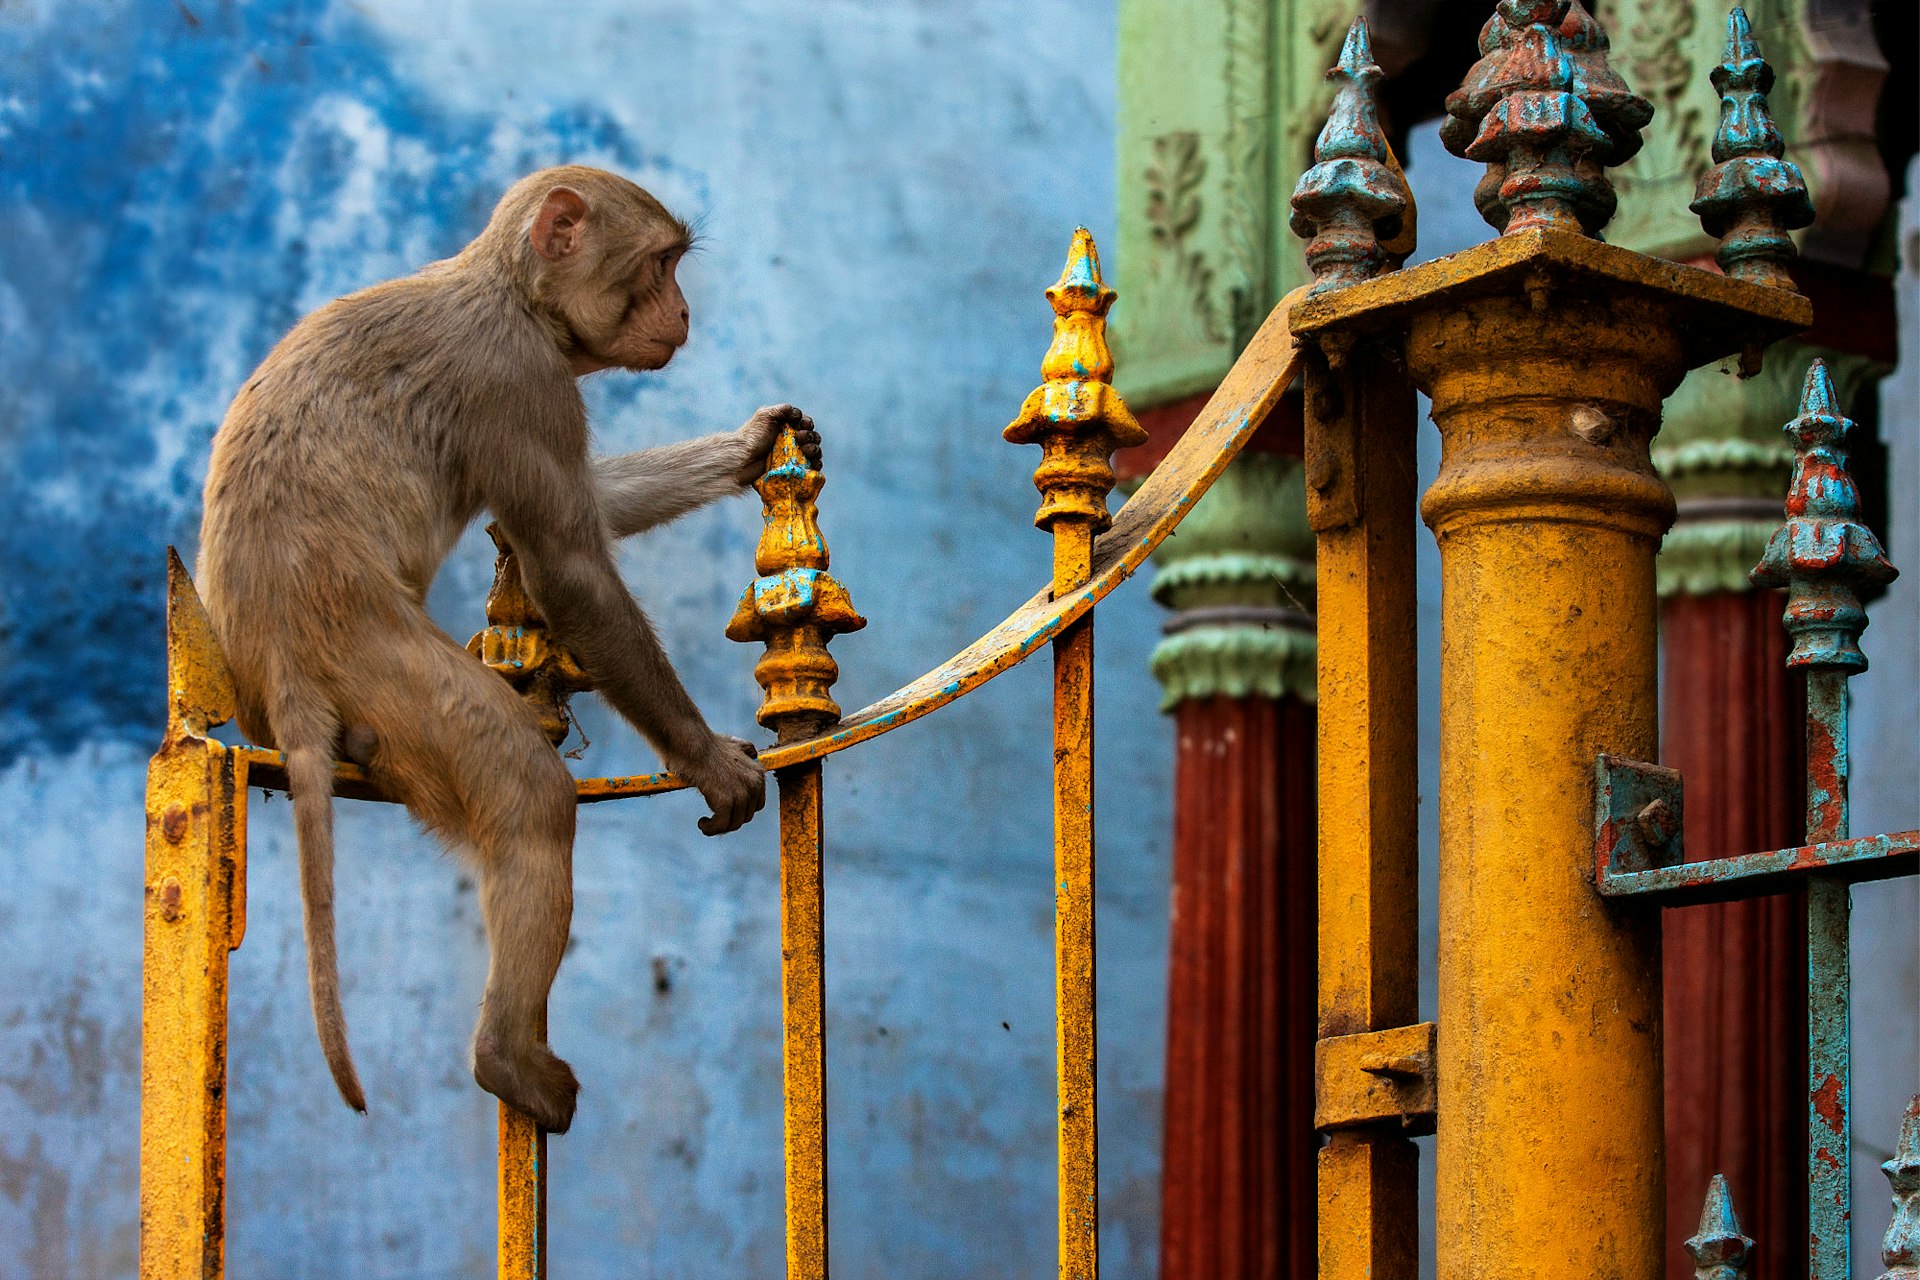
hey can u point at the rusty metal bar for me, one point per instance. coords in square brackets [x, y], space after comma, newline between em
[1865, 858]
[1829, 988]
[1078, 420]
[804, 1017]
[1075, 1046]
[521, 1199]
[195, 915]
[1822, 555]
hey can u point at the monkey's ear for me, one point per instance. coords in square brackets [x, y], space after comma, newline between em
[558, 227]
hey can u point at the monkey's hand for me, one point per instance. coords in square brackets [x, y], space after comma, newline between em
[757, 436]
[729, 778]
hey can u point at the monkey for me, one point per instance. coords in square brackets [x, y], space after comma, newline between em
[346, 468]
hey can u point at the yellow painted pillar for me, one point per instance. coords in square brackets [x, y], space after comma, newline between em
[1547, 354]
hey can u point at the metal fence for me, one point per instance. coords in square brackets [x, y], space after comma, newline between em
[1546, 353]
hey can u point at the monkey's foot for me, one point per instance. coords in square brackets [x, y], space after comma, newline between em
[533, 1079]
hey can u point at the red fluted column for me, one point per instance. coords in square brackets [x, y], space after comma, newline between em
[1238, 1197]
[1736, 1009]
[1238, 1181]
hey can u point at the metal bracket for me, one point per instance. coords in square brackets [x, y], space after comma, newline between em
[1637, 810]
[1375, 1077]
[1637, 851]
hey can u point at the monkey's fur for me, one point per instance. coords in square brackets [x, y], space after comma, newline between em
[348, 466]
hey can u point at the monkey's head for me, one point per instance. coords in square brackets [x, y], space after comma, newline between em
[599, 257]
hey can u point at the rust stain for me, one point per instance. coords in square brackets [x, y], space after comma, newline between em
[1827, 1105]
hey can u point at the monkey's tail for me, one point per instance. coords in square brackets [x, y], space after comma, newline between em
[307, 740]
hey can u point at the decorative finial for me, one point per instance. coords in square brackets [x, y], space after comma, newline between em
[1076, 416]
[1900, 1248]
[795, 605]
[1354, 196]
[1751, 197]
[1547, 114]
[1718, 1250]
[1823, 554]
[517, 644]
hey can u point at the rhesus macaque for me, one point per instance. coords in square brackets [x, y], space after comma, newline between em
[348, 466]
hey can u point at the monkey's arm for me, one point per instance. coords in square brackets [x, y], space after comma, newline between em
[638, 491]
[547, 509]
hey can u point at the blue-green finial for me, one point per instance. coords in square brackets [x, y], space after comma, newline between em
[1822, 555]
[1718, 1250]
[1546, 113]
[1354, 196]
[1751, 198]
[1900, 1247]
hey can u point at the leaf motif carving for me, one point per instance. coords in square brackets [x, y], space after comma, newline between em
[1173, 213]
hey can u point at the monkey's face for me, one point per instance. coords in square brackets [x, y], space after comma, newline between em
[611, 275]
[653, 319]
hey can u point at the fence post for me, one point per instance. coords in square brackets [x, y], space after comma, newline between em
[794, 607]
[195, 915]
[1358, 213]
[1078, 420]
[1547, 354]
[1823, 555]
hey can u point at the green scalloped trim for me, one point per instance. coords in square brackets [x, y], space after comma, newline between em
[1234, 568]
[1235, 662]
[1711, 557]
[1734, 454]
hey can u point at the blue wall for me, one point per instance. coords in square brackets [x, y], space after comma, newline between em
[885, 189]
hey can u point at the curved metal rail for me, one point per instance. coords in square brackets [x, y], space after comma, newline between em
[1216, 437]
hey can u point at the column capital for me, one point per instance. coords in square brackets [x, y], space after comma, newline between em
[1240, 577]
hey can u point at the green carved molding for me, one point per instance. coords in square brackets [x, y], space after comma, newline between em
[1828, 69]
[1722, 449]
[1219, 104]
[1239, 576]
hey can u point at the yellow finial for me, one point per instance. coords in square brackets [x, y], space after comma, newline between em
[795, 605]
[1076, 416]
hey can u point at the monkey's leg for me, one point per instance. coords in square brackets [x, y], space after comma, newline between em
[466, 755]
[526, 895]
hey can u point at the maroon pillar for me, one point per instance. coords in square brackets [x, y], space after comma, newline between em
[1733, 723]
[1238, 1194]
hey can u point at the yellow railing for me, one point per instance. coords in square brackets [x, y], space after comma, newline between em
[197, 788]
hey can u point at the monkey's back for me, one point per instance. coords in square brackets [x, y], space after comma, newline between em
[343, 473]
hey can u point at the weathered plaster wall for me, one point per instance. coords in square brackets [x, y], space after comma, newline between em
[885, 188]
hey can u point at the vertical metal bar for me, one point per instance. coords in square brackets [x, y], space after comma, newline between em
[195, 847]
[522, 1200]
[1360, 478]
[803, 1018]
[1829, 982]
[798, 673]
[1073, 915]
[1078, 420]
[195, 915]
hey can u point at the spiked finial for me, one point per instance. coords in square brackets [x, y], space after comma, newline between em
[1076, 416]
[1354, 196]
[795, 606]
[1547, 114]
[1900, 1248]
[1751, 198]
[1718, 1250]
[1822, 554]
[517, 643]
